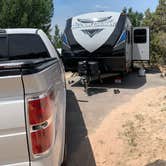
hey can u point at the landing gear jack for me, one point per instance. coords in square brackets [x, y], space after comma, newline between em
[85, 83]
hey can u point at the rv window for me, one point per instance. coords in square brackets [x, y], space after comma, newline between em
[3, 48]
[140, 36]
[25, 46]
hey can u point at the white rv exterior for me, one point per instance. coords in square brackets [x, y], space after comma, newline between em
[92, 31]
[107, 38]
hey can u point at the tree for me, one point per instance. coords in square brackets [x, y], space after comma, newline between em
[148, 19]
[26, 14]
[157, 23]
[135, 17]
[124, 10]
[57, 38]
[160, 16]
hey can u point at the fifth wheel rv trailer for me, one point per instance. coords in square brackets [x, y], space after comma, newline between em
[101, 43]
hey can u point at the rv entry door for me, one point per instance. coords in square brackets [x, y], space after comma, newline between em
[141, 43]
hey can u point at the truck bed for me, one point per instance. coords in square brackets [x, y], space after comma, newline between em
[19, 80]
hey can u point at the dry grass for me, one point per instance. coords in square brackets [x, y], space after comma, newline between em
[134, 134]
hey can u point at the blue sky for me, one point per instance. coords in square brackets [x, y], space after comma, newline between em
[65, 9]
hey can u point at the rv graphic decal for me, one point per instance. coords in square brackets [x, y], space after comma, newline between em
[64, 40]
[122, 39]
[95, 22]
[92, 32]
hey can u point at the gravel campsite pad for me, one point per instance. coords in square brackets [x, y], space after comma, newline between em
[134, 134]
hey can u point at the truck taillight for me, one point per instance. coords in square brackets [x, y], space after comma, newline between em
[42, 130]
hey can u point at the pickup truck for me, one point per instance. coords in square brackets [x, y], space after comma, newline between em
[32, 100]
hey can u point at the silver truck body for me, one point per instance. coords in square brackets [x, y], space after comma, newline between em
[15, 90]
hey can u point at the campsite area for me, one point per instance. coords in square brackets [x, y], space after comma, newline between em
[123, 129]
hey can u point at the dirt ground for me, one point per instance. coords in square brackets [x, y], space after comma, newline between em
[134, 134]
[127, 129]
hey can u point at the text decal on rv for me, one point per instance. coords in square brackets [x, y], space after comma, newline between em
[92, 31]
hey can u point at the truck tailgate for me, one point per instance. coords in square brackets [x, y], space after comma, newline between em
[13, 140]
